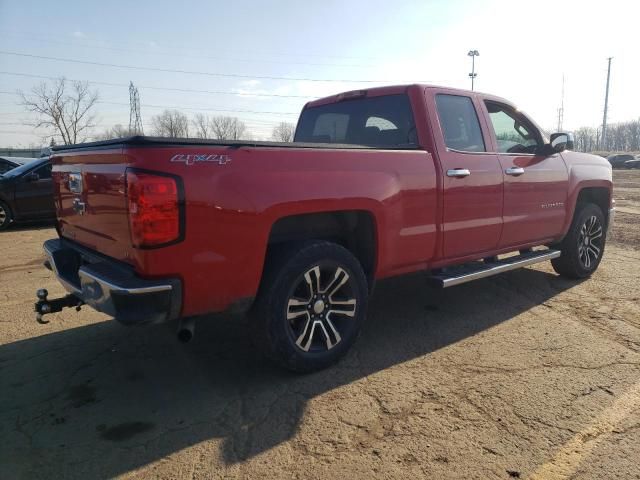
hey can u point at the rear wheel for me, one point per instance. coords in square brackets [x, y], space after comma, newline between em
[583, 247]
[311, 305]
[5, 216]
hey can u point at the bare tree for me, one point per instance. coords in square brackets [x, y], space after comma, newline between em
[228, 128]
[117, 131]
[170, 123]
[202, 124]
[586, 139]
[283, 132]
[65, 108]
[621, 137]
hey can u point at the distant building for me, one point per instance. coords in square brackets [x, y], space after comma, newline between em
[22, 152]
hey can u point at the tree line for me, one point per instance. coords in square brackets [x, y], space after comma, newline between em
[66, 109]
[620, 137]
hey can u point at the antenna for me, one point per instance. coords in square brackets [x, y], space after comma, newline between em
[135, 117]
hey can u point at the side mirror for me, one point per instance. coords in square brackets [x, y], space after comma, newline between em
[561, 142]
[33, 177]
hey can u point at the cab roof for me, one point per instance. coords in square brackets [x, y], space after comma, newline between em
[399, 89]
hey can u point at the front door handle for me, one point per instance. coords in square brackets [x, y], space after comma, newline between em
[514, 171]
[458, 172]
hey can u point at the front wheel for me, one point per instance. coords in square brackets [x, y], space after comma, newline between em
[583, 247]
[311, 305]
[5, 216]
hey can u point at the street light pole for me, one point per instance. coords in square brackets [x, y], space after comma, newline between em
[473, 54]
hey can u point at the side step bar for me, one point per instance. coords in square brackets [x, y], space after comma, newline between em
[474, 271]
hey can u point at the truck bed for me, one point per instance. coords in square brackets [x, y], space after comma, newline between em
[141, 141]
[231, 201]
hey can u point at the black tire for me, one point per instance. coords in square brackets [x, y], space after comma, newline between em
[301, 332]
[6, 217]
[583, 246]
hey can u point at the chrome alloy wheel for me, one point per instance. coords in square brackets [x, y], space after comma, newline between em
[3, 215]
[317, 316]
[590, 242]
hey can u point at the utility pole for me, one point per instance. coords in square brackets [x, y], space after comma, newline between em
[473, 54]
[561, 109]
[135, 117]
[606, 107]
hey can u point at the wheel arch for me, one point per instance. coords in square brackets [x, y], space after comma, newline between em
[598, 192]
[356, 230]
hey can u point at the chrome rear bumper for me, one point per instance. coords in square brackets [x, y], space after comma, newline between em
[112, 288]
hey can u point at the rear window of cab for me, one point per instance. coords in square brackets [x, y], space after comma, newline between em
[385, 121]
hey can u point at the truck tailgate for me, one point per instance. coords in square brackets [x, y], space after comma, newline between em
[90, 198]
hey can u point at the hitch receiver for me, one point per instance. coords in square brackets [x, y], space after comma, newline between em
[44, 306]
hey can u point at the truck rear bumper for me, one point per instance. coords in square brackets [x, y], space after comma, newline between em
[111, 287]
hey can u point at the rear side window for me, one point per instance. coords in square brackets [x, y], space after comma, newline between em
[460, 124]
[5, 166]
[385, 121]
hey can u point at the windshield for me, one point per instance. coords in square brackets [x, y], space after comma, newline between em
[14, 172]
[385, 121]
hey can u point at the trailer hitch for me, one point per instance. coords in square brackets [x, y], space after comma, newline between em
[44, 306]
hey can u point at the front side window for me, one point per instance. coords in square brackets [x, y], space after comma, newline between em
[44, 171]
[460, 124]
[385, 121]
[513, 133]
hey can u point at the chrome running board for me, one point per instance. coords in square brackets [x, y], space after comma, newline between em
[466, 273]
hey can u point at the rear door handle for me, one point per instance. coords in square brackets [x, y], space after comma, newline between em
[514, 171]
[458, 172]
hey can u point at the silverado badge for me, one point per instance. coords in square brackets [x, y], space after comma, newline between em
[190, 159]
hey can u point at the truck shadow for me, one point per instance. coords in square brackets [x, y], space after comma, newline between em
[101, 400]
[31, 225]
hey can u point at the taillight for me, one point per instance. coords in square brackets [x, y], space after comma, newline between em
[155, 209]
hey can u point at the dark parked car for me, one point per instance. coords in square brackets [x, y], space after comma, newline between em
[619, 160]
[26, 193]
[635, 163]
[9, 163]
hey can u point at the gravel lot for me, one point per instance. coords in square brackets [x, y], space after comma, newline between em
[524, 375]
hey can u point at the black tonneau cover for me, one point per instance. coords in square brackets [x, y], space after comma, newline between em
[143, 141]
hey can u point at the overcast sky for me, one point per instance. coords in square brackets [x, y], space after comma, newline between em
[525, 48]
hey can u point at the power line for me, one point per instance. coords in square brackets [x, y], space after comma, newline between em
[181, 107]
[182, 47]
[113, 123]
[20, 133]
[193, 72]
[204, 109]
[171, 89]
[208, 57]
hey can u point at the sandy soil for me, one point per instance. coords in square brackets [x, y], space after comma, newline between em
[627, 196]
[524, 375]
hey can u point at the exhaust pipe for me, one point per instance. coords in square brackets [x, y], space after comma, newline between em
[186, 327]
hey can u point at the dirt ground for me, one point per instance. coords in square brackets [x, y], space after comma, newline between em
[524, 375]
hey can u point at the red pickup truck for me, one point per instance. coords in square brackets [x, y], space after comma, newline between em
[378, 182]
